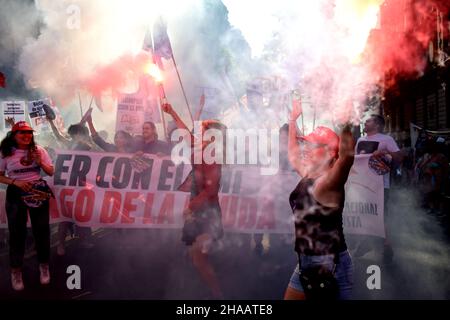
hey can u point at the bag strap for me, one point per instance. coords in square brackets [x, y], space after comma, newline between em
[336, 262]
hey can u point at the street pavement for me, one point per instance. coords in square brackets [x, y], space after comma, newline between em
[154, 265]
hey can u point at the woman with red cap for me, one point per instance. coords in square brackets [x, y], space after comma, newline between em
[323, 160]
[21, 163]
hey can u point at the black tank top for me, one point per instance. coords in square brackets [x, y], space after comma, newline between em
[318, 229]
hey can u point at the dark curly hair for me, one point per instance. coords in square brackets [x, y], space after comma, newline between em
[379, 120]
[125, 134]
[78, 129]
[9, 142]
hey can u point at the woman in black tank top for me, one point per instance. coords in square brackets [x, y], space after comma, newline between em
[318, 228]
[323, 160]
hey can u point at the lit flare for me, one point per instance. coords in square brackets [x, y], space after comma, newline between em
[153, 70]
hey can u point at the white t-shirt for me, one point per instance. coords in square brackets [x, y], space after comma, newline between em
[17, 167]
[381, 142]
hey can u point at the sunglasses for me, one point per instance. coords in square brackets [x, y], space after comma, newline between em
[25, 132]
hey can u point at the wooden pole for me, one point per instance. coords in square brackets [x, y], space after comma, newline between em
[163, 100]
[90, 104]
[202, 104]
[314, 118]
[162, 92]
[182, 89]
[79, 101]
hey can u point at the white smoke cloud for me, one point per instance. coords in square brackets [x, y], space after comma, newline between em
[315, 45]
[76, 38]
[79, 38]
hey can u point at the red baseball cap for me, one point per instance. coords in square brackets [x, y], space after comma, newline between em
[21, 125]
[323, 135]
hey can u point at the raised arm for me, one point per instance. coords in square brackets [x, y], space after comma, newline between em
[96, 137]
[340, 171]
[167, 108]
[293, 147]
[328, 188]
[91, 126]
[57, 134]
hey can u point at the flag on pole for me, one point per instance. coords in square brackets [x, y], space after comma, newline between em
[201, 106]
[2, 80]
[147, 45]
[202, 100]
[161, 43]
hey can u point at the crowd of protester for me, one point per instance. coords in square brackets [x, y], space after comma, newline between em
[424, 167]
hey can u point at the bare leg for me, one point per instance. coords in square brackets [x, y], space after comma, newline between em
[199, 255]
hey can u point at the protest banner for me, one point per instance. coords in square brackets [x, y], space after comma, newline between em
[135, 109]
[120, 191]
[38, 119]
[130, 113]
[151, 110]
[364, 200]
[13, 111]
[112, 190]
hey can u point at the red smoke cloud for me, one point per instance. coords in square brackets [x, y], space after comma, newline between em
[117, 74]
[399, 48]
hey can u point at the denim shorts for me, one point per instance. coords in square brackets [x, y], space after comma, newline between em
[343, 274]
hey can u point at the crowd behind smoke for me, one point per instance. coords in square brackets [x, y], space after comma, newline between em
[66, 47]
